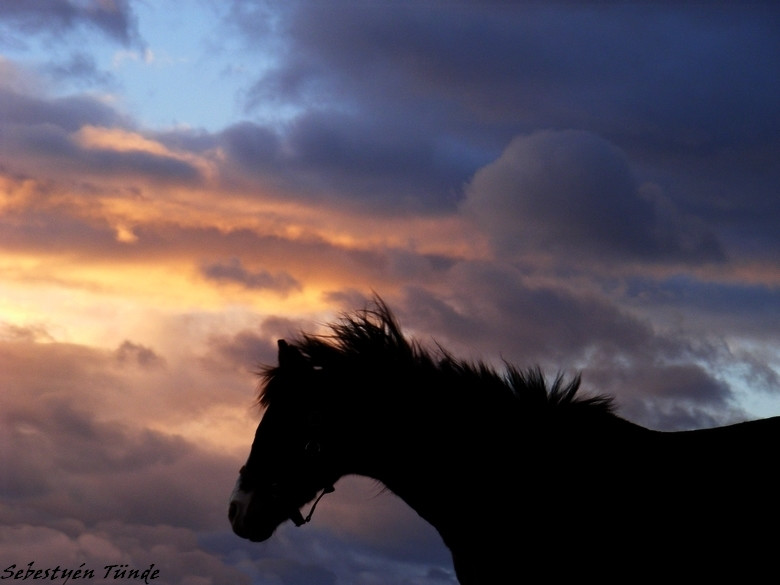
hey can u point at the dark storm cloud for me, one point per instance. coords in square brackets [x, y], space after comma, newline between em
[252, 146]
[52, 18]
[681, 63]
[372, 162]
[573, 193]
[738, 302]
[366, 157]
[689, 93]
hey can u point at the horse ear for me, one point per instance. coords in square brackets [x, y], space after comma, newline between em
[289, 356]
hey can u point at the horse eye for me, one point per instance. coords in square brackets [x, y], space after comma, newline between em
[312, 448]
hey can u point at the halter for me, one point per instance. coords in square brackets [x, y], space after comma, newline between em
[313, 450]
[298, 518]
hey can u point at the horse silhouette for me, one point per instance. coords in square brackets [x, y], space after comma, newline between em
[523, 479]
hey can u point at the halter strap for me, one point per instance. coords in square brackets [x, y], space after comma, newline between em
[298, 518]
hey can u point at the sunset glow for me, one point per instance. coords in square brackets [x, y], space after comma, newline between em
[581, 187]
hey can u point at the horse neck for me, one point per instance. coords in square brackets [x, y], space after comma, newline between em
[435, 458]
[468, 461]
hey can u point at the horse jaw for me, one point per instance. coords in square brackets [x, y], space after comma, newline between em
[247, 520]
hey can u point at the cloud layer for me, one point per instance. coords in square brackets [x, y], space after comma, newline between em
[584, 187]
[571, 193]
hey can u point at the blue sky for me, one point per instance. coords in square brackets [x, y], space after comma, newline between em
[586, 186]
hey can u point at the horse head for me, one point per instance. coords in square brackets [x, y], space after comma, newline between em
[291, 459]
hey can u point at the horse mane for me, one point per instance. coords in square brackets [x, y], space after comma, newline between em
[370, 340]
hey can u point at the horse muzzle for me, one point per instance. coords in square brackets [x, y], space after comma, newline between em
[253, 521]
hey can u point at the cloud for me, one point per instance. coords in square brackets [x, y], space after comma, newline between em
[667, 396]
[496, 61]
[371, 163]
[244, 351]
[73, 459]
[572, 194]
[90, 481]
[561, 190]
[663, 374]
[497, 308]
[120, 57]
[20, 110]
[66, 156]
[294, 572]
[393, 149]
[90, 478]
[114, 18]
[145, 357]
[80, 67]
[252, 146]
[82, 138]
[27, 333]
[359, 534]
[175, 553]
[234, 272]
[745, 309]
[134, 225]
[459, 83]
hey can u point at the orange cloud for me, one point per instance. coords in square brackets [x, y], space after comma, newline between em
[118, 139]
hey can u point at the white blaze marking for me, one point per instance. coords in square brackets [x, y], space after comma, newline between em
[240, 499]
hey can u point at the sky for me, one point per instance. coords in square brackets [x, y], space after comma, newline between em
[590, 187]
